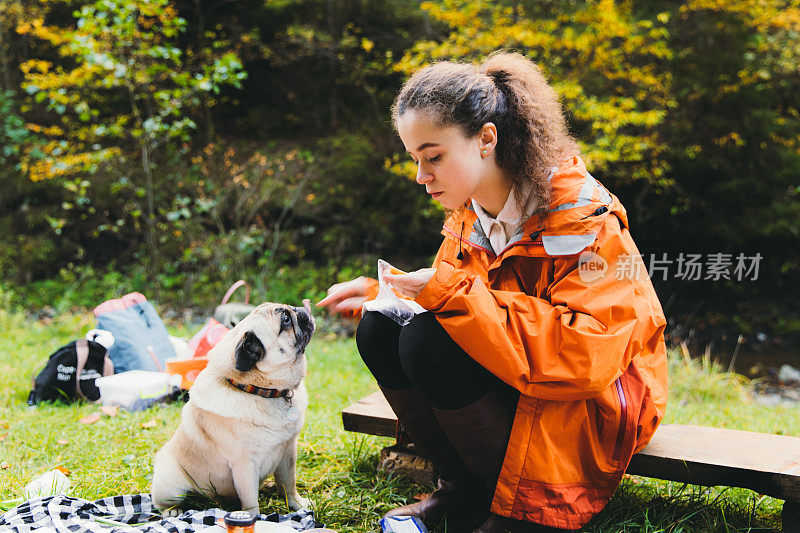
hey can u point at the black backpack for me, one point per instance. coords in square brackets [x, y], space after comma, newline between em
[56, 382]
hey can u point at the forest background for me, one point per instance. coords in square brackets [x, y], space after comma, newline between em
[173, 147]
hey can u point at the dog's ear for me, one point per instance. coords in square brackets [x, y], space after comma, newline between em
[249, 351]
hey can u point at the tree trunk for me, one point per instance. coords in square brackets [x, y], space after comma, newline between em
[4, 62]
[152, 241]
[333, 103]
[208, 119]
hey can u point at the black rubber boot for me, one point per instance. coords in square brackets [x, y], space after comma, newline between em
[458, 494]
[479, 432]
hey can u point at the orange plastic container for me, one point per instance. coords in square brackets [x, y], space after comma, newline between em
[187, 369]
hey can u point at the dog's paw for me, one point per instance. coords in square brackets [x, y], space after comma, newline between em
[297, 502]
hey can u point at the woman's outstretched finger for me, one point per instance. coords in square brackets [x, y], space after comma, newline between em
[329, 299]
[342, 291]
[350, 304]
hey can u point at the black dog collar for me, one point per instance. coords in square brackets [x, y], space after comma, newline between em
[261, 391]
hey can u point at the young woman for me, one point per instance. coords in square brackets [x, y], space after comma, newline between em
[540, 366]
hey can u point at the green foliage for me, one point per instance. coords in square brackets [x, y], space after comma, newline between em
[130, 89]
[130, 82]
[13, 134]
[607, 61]
[14, 49]
[74, 286]
[687, 111]
[329, 64]
[24, 256]
[86, 286]
[736, 165]
[648, 505]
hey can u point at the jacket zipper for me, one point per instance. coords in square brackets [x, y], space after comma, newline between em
[470, 243]
[623, 403]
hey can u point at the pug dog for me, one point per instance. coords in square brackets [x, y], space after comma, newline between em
[245, 411]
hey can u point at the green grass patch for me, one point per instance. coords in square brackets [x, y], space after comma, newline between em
[338, 470]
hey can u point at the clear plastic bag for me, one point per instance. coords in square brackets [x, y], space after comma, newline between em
[387, 303]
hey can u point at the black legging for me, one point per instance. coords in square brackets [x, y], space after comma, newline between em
[422, 354]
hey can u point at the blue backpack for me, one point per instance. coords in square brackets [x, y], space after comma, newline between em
[141, 341]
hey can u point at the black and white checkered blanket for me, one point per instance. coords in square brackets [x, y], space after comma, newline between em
[66, 514]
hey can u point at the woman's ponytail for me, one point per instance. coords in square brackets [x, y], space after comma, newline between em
[535, 129]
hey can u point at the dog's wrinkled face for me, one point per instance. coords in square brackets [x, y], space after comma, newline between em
[273, 337]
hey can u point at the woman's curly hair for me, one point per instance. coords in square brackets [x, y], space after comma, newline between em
[510, 91]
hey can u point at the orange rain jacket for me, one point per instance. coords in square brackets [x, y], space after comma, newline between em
[583, 345]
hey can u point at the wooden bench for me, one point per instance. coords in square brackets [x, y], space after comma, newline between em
[767, 464]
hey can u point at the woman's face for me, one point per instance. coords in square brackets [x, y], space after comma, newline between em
[449, 164]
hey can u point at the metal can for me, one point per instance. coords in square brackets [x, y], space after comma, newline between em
[240, 522]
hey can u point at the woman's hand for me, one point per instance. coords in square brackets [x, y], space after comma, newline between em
[412, 283]
[345, 297]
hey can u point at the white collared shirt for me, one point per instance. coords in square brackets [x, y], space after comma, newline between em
[499, 230]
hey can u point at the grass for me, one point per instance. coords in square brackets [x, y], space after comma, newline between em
[338, 470]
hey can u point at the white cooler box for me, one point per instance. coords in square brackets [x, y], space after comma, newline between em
[135, 390]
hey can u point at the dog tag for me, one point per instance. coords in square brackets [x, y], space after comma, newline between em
[292, 413]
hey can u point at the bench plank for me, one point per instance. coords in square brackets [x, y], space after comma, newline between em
[371, 415]
[768, 464]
